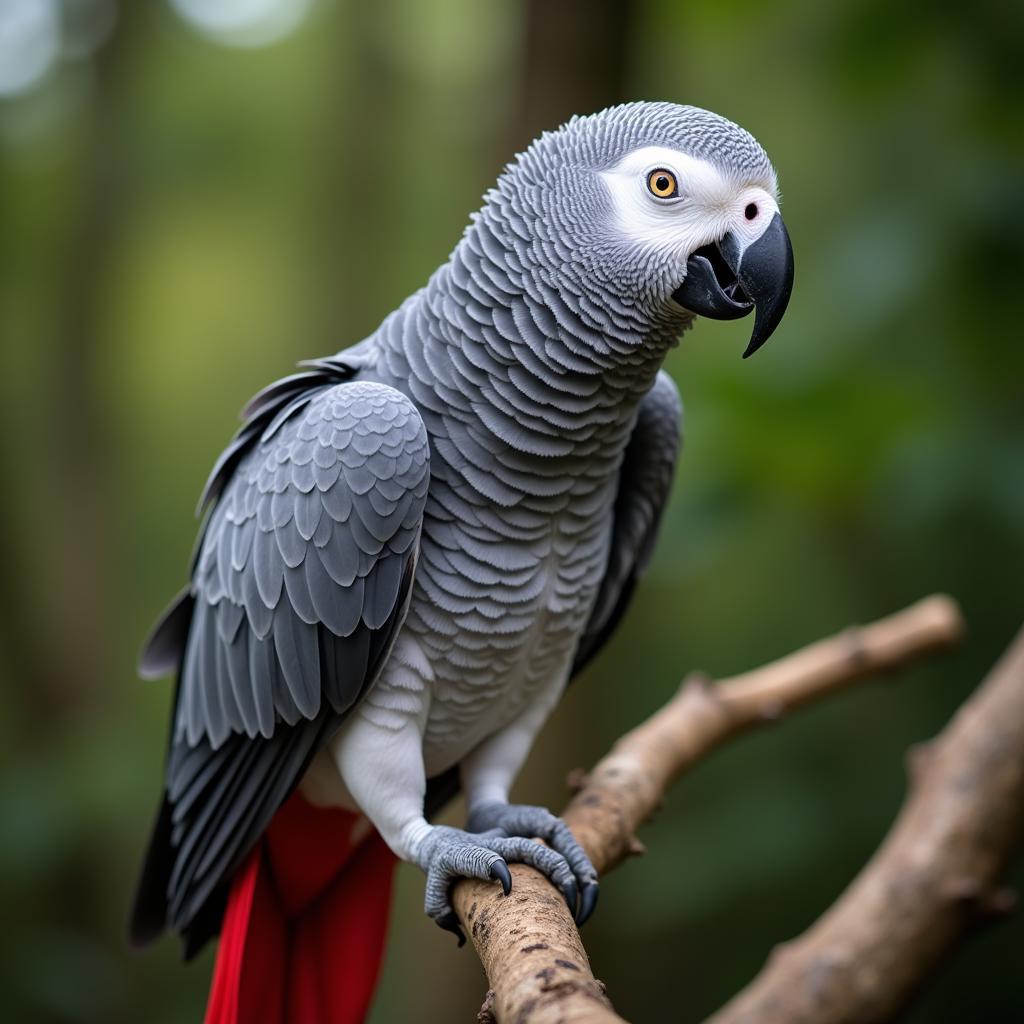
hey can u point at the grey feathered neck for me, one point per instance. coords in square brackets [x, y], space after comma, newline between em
[544, 324]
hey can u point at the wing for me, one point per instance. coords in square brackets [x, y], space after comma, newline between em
[299, 585]
[645, 481]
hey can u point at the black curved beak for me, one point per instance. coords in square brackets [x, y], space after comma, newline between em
[724, 282]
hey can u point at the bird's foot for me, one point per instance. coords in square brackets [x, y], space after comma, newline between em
[526, 822]
[447, 854]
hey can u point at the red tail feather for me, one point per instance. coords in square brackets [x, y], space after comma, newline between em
[303, 934]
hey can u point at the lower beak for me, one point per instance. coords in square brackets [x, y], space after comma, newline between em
[724, 282]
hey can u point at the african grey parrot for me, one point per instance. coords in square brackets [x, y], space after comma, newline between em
[413, 545]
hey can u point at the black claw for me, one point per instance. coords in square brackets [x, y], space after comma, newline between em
[450, 923]
[588, 900]
[501, 873]
[571, 892]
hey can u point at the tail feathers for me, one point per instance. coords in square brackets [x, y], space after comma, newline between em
[249, 978]
[303, 934]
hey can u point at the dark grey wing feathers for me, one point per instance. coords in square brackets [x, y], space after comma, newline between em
[345, 662]
[299, 585]
[645, 481]
[250, 775]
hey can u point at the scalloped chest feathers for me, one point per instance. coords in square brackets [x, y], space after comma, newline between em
[498, 617]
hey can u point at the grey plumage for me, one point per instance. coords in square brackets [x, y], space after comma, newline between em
[483, 476]
[298, 588]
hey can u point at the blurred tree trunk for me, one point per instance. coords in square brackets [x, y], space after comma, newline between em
[57, 645]
[575, 61]
[353, 146]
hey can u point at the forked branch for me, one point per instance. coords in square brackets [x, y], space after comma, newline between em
[529, 946]
[935, 877]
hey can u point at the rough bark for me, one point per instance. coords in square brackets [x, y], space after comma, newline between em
[529, 946]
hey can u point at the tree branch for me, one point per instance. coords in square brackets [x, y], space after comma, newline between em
[934, 878]
[528, 944]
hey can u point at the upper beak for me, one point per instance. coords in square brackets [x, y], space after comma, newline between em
[724, 282]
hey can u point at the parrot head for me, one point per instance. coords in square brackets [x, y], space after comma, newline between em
[670, 210]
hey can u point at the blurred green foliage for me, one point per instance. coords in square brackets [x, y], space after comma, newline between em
[180, 221]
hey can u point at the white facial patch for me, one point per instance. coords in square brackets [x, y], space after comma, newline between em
[710, 203]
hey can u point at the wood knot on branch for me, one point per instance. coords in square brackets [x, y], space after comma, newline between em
[485, 1015]
[856, 653]
[635, 848]
[979, 898]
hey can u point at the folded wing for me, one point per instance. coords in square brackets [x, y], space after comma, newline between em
[299, 586]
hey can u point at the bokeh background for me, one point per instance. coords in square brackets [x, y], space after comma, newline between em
[194, 195]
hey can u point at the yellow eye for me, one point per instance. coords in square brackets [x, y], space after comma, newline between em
[662, 183]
